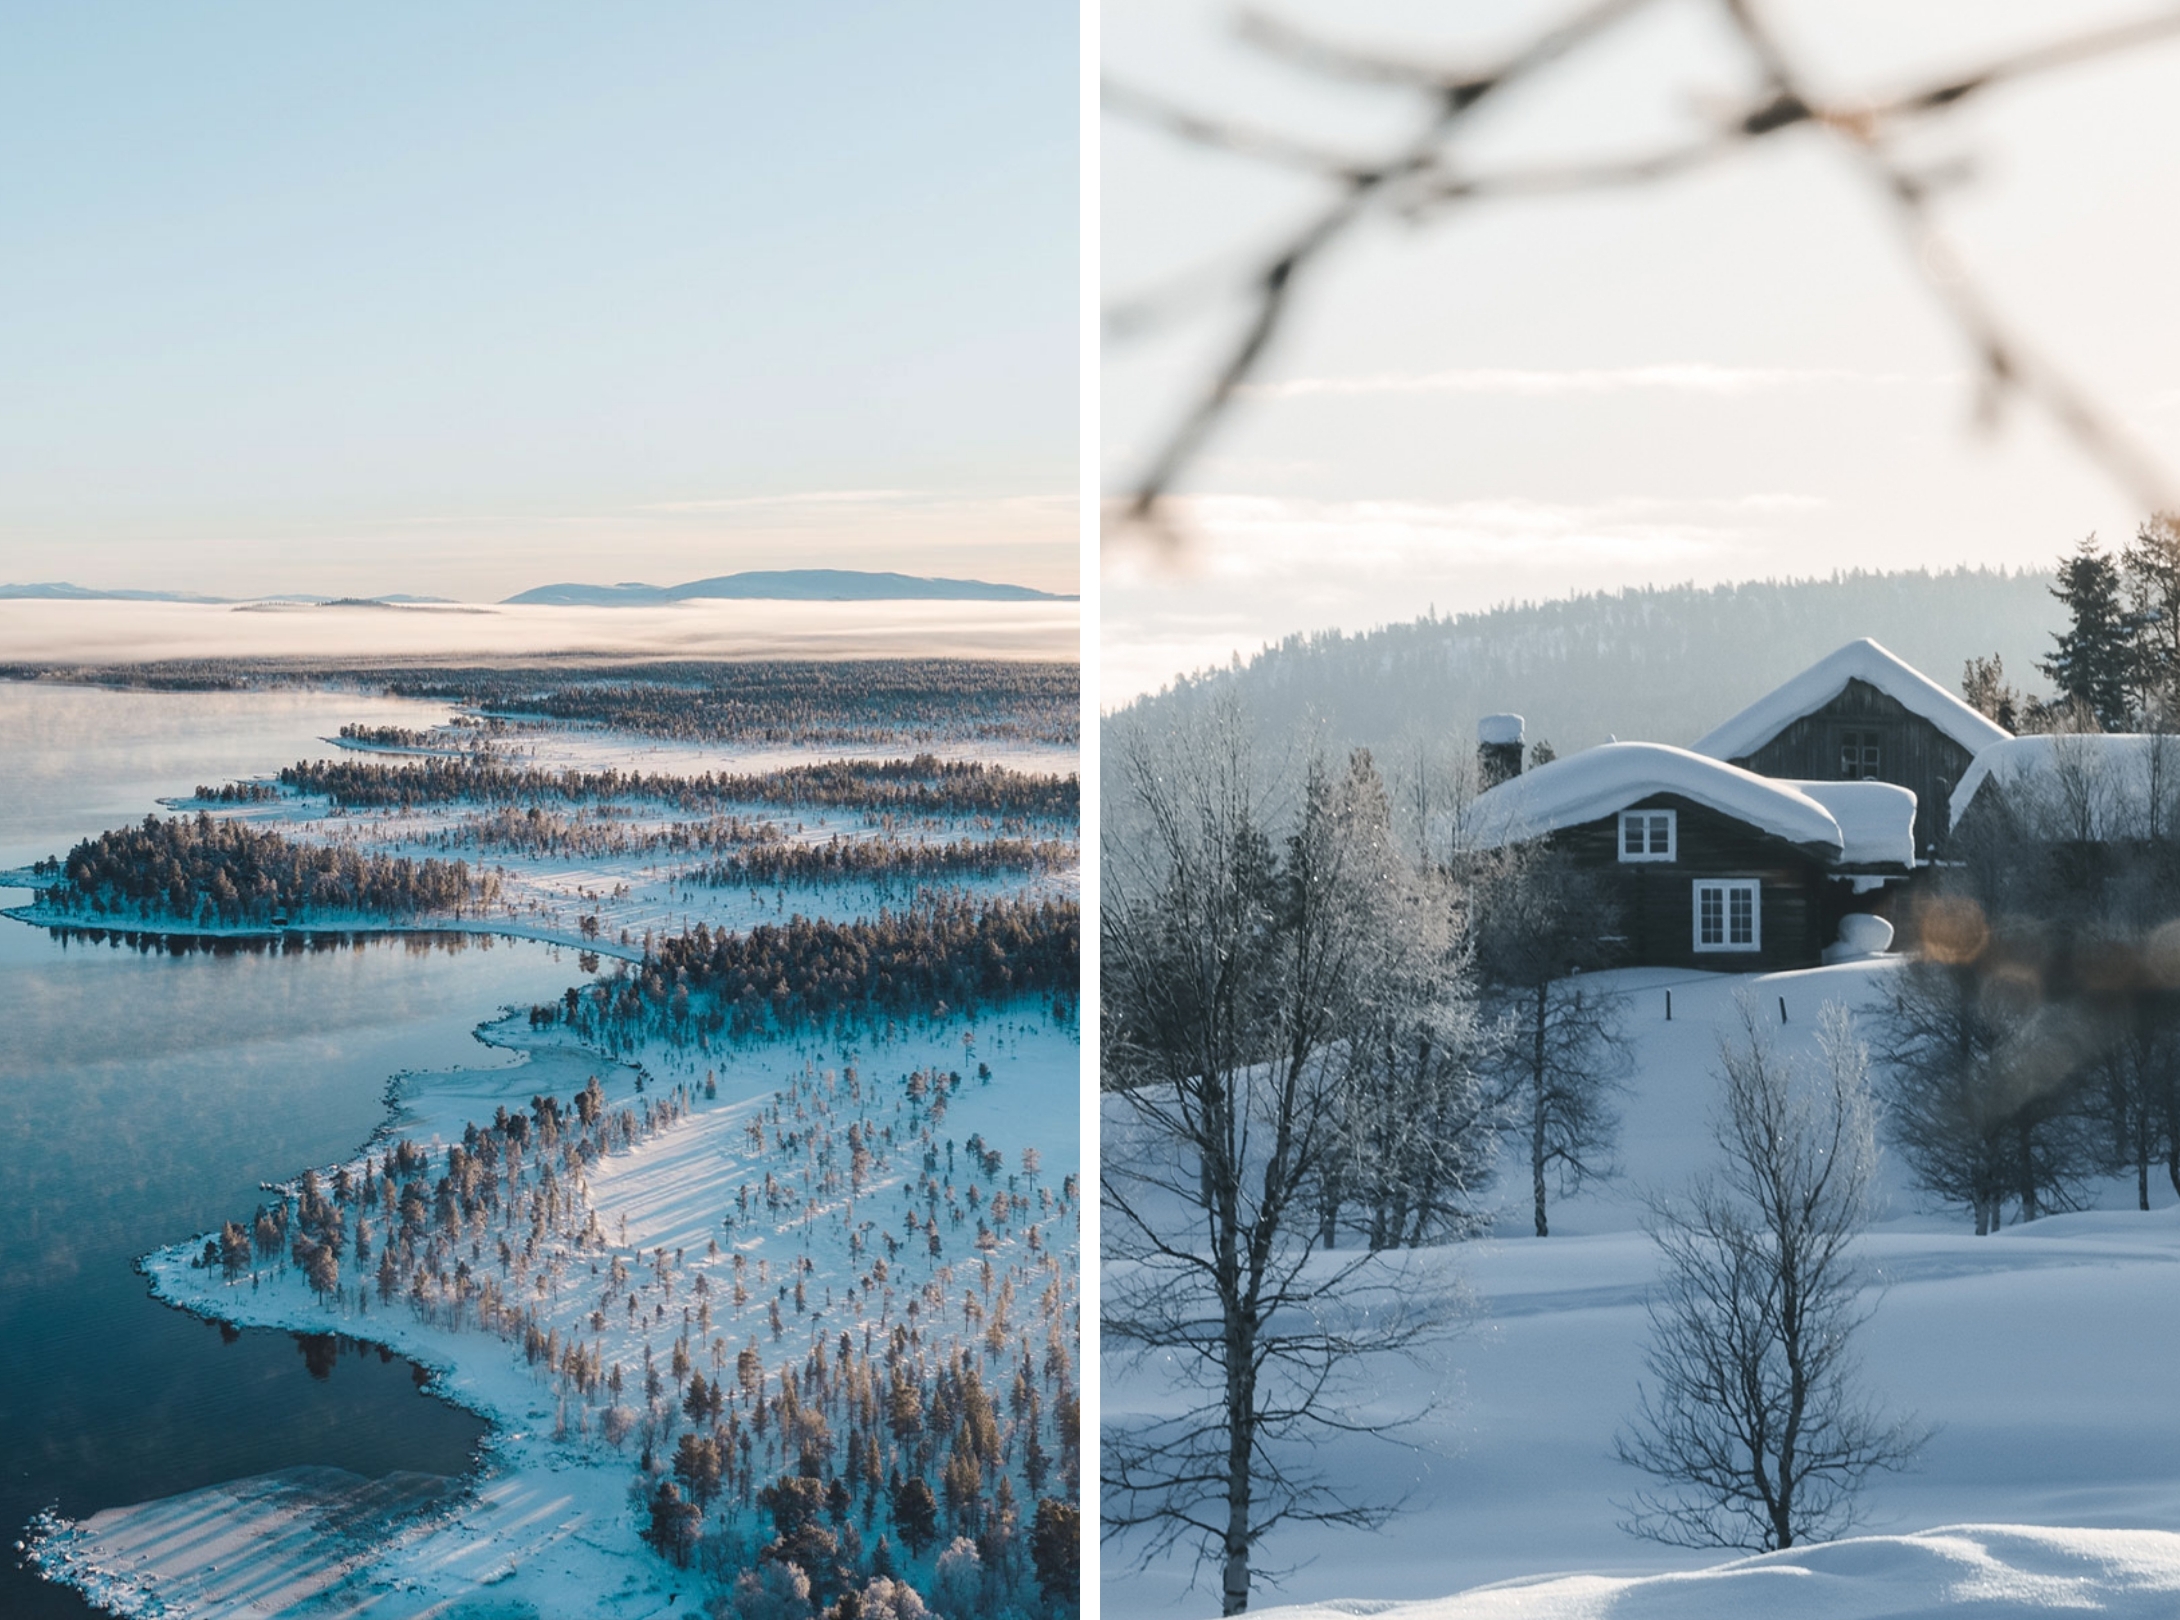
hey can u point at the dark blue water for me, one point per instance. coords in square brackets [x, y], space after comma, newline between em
[143, 1098]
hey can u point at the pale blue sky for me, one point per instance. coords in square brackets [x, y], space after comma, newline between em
[1736, 375]
[465, 298]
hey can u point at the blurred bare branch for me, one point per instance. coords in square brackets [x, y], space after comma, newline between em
[1420, 178]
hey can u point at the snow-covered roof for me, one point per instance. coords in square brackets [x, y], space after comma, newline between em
[2082, 785]
[1876, 820]
[1824, 680]
[1601, 781]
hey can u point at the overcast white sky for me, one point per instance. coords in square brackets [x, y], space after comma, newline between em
[462, 300]
[1736, 375]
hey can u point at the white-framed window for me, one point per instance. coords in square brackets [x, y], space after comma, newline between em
[1729, 914]
[1649, 835]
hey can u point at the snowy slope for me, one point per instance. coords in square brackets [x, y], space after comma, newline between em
[2042, 1354]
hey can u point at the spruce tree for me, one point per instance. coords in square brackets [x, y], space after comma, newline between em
[2093, 663]
[2151, 565]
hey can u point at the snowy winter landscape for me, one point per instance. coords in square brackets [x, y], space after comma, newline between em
[1740, 1177]
[2040, 1354]
[754, 1238]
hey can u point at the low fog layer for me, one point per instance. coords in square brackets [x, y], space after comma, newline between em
[107, 632]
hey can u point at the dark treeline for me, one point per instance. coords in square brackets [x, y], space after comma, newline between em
[869, 701]
[596, 833]
[923, 786]
[387, 736]
[882, 859]
[294, 942]
[198, 870]
[236, 793]
[866, 701]
[948, 952]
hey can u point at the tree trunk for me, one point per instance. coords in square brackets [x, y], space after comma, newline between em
[1536, 1120]
[1235, 1597]
[2028, 1173]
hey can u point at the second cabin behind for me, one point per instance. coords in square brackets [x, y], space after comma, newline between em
[1860, 714]
[1713, 867]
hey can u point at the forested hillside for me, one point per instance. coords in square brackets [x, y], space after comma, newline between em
[1658, 665]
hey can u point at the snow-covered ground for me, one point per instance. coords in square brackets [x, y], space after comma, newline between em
[909, 1191]
[2042, 1354]
[1968, 1571]
[630, 892]
[550, 1525]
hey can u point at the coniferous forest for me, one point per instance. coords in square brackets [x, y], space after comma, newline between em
[950, 952]
[198, 869]
[849, 702]
[922, 786]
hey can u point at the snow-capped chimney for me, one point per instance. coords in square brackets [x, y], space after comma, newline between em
[1498, 749]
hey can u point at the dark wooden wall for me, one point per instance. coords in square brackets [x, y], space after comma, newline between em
[1657, 898]
[1913, 754]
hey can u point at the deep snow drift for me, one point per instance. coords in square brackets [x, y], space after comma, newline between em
[2041, 1353]
[1988, 1572]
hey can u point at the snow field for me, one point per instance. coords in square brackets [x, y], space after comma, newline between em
[2042, 1354]
[1961, 1572]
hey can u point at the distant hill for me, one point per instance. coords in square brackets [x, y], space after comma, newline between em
[61, 592]
[1654, 665]
[787, 585]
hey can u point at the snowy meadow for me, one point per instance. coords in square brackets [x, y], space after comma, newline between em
[2037, 1354]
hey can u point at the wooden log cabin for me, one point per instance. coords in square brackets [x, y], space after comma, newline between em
[1862, 715]
[1712, 866]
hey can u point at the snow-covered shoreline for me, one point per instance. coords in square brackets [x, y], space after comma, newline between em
[329, 926]
[548, 1511]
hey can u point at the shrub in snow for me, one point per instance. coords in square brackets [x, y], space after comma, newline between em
[886, 1599]
[771, 1591]
[960, 1579]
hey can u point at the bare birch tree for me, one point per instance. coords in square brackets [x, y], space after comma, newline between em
[1753, 1424]
[1541, 921]
[1237, 968]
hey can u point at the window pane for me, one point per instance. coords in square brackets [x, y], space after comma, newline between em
[1631, 829]
[1713, 915]
[1744, 916]
[1661, 837]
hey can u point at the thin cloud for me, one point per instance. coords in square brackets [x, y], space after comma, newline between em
[813, 497]
[1263, 537]
[1683, 378]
